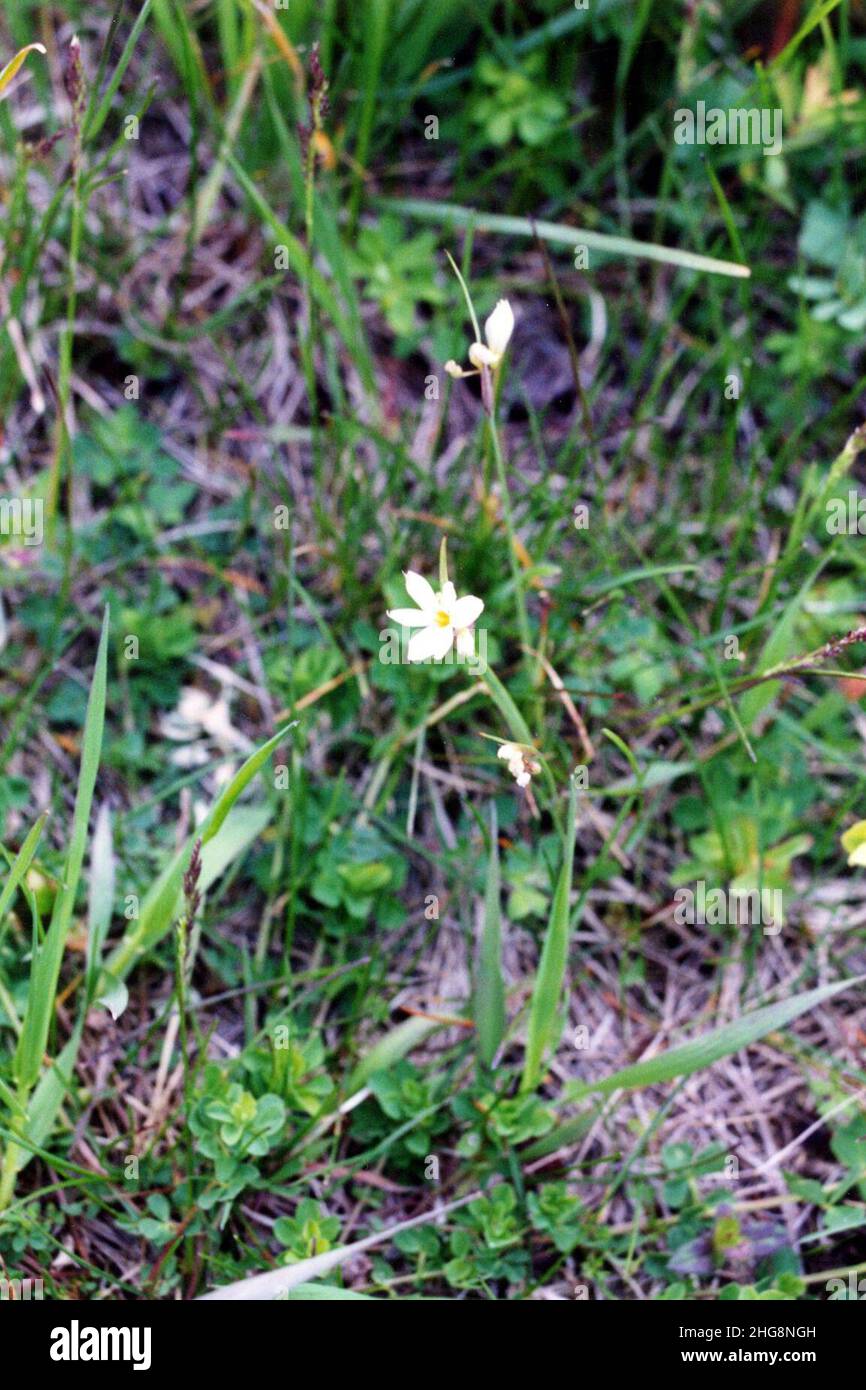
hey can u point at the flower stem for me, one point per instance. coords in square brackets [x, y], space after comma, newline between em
[508, 517]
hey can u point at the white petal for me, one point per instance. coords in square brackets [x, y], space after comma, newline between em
[481, 356]
[464, 643]
[420, 590]
[509, 751]
[499, 327]
[430, 641]
[409, 617]
[467, 610]
[444, 642]
[448, 597]
[524, 779]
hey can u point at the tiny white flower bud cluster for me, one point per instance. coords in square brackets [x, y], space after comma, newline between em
[497, 330]
[521, 766]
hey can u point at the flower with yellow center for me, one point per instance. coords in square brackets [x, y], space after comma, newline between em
[443, 620]
[497, 330]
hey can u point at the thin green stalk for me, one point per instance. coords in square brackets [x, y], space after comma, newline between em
[183, 1030]
[77, 91]
[508, 518]
[318, 101]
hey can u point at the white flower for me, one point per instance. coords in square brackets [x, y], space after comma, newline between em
[442, 619]
[520, 765]
[497, 330]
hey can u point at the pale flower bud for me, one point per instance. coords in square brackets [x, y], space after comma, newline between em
[481, 356]
[521, 766]
[499, 328]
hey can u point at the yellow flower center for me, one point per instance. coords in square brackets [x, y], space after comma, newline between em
[442, 618]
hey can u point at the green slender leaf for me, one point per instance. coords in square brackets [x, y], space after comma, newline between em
[456, 216]
[49, 1095]
[20, 865]
[517, 725]
[635, 576]
[12, 1103]
[703, 1052]
[101, 894]
[544, 1018]
[682, 1061]
[96, 120]
[490, 1016]
[377, 24]
[159, 908]
[45, 969]
[390, 1049]
[239, 783]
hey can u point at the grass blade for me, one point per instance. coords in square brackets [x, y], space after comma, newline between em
[544, 1022]
[390, 1049]
[20, 866]
[490, 1016]
[682, 1061]
[45, 969]
[703, 1052]
[101, 894]
[159, 908]
[454, 215]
